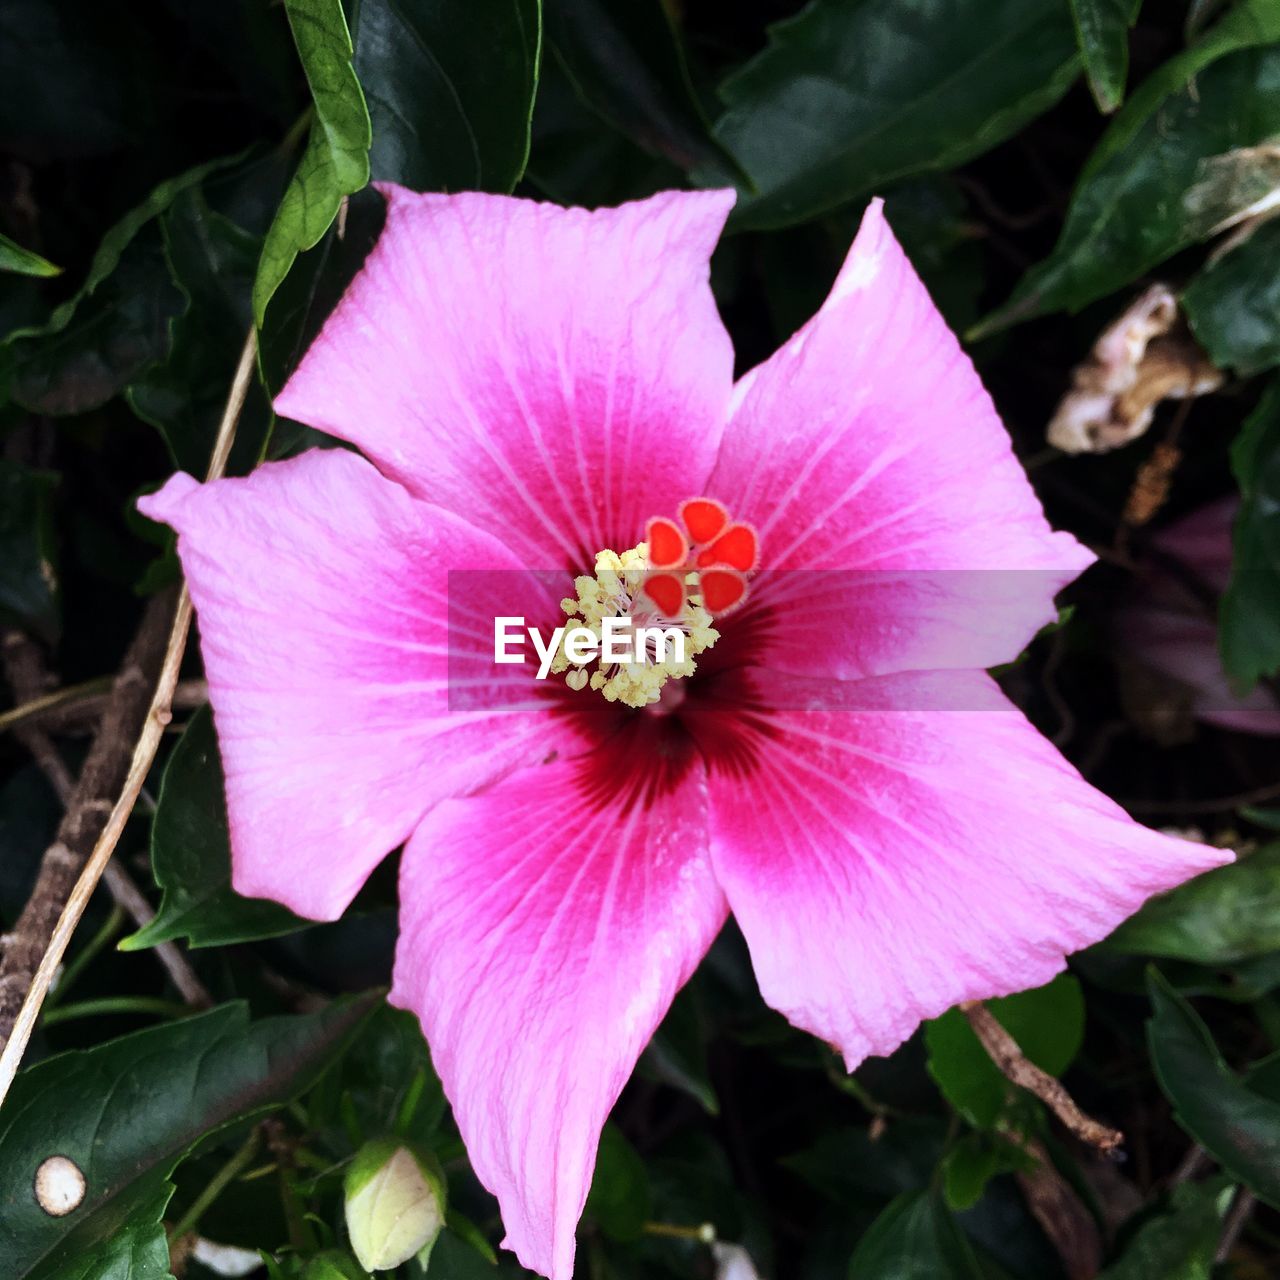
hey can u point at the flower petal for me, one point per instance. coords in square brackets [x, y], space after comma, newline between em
[543, 936]
[866, 444]
[342, 674]
[912, 842]
[555, 375]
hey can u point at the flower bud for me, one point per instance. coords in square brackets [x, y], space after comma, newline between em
[395, 1203]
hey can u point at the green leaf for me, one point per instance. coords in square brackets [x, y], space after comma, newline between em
[450, 89]
[1180, 1242]
[1047, 1023]
[13, 257]
[1102, 27]
[677, 1054]
[191, 856]
[1130, 208]
[450, 86]
[1237, 1126]
[212, 261]
[847, 1164]
[971, 1164]
[1231, 913]
[627, 62]
[386, 1085]
[139, 1250]
[28, 574]
[117, 333]
[336, 160]
[851, 95]
[1249, 616]
[114, 326]
[460, 1226]
[114, 243]
[1268, 819]
[915, 1238]
[129, 1111]
[333, 1264]
[300, 306]
[576, 157]
[1233, 305]
[621, 1200]
[454, 1258]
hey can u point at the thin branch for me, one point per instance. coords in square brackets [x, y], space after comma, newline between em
[79, 707]
[26, 672]
[89, 802]
[1191, 1166]
[1238, 1215]
[158, 716]
[1057, 1207]
[1020, 1070]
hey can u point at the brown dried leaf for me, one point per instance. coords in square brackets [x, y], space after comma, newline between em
[1145, 356]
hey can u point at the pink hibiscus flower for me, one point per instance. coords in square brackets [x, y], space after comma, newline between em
[531, 386]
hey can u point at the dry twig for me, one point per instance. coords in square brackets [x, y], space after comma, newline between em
[1062, 1215]
[88, 806]
[158, 715]
[28, 678]
[79, 708]
[1016, 1067]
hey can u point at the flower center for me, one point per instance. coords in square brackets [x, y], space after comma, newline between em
[617, 591]
[659, 598]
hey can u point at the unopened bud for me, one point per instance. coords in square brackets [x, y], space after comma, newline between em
[395, 1203]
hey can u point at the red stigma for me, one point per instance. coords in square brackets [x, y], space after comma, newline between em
[722, 552]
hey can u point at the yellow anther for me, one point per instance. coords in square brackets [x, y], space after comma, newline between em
[614, 592]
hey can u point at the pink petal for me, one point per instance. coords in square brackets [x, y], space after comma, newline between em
[321, 591]
[867, 445]
[543, 936]
[555, 375]
[905, 843]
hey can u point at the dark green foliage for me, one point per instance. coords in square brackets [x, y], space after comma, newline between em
[852, 95]
[191, 856]
[1238, 1125]
[1224, 916]
[1048, 1025]
[1250, 634]
[1136, 202]
[450, 88]
[28, 576]
[913, 1238]
[127, 1112]
[1103, 29]
[1179, 1243]
[1233, 303]
[336, 160]
[200, 172]
[13, 257]
[625, 59]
